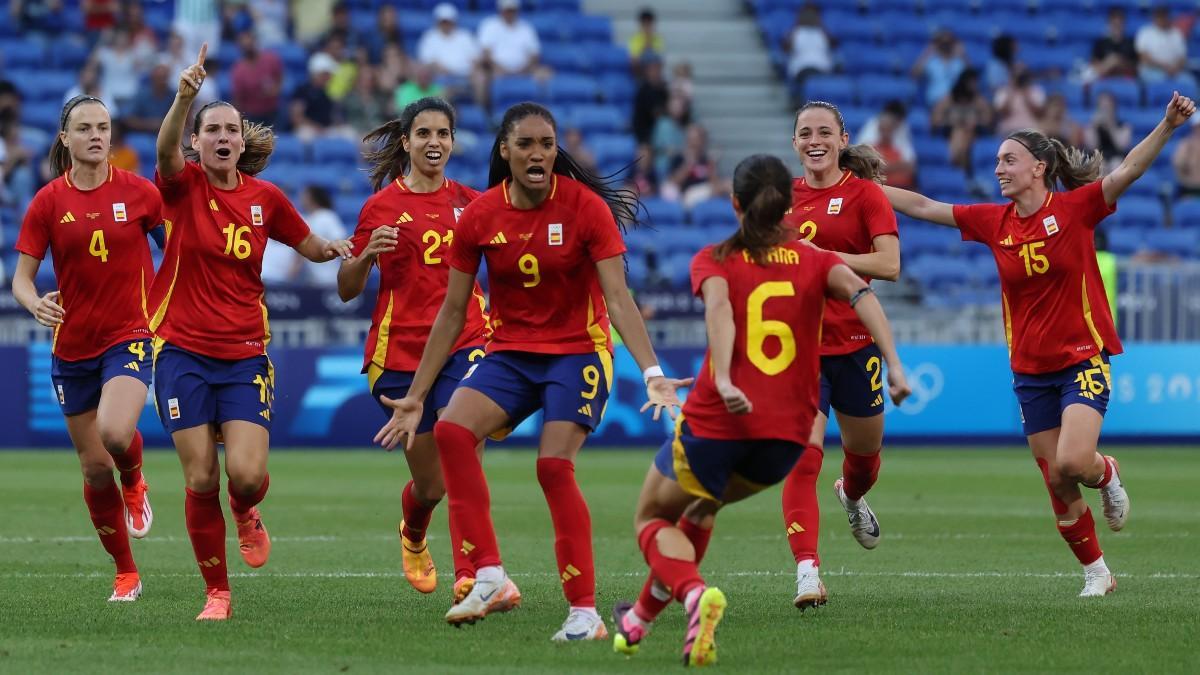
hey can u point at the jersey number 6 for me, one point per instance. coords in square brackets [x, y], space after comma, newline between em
[759, 329]
[235, 241]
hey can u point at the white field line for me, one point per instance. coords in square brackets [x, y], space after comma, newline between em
[641, 573]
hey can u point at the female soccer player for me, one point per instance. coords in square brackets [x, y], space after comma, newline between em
[548, 231]
[94, 219]
[752, 410]
[1056, 318]
[210, 323]
[405, 229]
[838, 206]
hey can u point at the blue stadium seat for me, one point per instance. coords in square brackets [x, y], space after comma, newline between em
[509, 90]
[945, 180]
[931, 150]
[617, 89]
[867, 57]
[70, 54]
[334, 150]
[905, 26]
[146, 147]
[1184, 243]
[553, 27]
[348, 206]
[609, 58]
[662, 213]
[569, 6]
[1158, 93]
[1139, 212]
[472, 117]
[289, 149]
[1125, 241]
[42, 115]
[591, 28]
[568, 59]
[615, 150]
[590, 119]
[716, 211]
[1185, 213]
[836, 89]
[568, 89]
[876, 90]
[1127, 92]
[22, 53]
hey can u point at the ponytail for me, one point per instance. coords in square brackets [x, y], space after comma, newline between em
[762, 185]
[1070, 166]
[863, 161]
[622, 202]
[60, 156]
[390, 160]
[259, 140]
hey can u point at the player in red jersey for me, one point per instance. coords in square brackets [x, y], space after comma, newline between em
[746, 422]
[838, 206]
[212, 374]
[1056, 318]
[405, 229]
[548, 230]
[94, 219]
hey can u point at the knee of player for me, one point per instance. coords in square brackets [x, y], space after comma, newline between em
[1073, 469]
[430, 495]
[115, 439]
[247, 481]
[97, 473]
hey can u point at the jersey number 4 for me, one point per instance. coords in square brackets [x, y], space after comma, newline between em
[97, 247]
[759, 329]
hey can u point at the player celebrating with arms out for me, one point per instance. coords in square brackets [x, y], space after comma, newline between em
[1056, 318]
[94, 219]
[548, 230]
[750, 415]
[838, 206]
[405, 229]
[212, 374]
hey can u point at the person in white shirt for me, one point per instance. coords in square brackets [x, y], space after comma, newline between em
[452, 51]
[510, 45]
[317, 207]
[1162, 49]
[808, 45]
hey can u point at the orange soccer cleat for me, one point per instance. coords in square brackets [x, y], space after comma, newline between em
[126, 587]
[253, 540]
[218, 606]
[138, 515]
[418, 564]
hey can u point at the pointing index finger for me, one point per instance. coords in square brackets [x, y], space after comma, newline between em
[203, 53]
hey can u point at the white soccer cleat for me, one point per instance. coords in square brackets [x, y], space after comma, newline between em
[810, 590]
[486, 597]
[138, 514]
[1098, 583]
[581, 625]
[863, 524]
[126, 588]
[1115, 499]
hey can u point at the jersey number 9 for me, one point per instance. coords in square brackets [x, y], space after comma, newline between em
[529, 265]
[759, 329]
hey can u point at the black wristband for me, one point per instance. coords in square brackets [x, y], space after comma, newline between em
[859, 295]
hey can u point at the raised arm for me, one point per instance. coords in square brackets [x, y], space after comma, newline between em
[1143, 154]
[845, 285]
[920, 207]
[170, 134]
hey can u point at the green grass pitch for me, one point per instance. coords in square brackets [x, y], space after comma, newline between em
[970, 575]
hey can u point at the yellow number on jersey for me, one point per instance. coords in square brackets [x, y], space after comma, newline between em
[759, 329]
[529, 265]
[433, 240]
[138, 350]
[591, 377]
[875, 368]
[97, 247]
[1035, 263]
[808, 230]
[1089, 386]
[236, 242]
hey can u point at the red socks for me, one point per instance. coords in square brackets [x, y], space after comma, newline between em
[129, 463]
[1106, 478]
[467, 493]
[859, 473]
[1081, 538]
[572, 530]
[206, 529]
[1055, 503]
[801, 512]
[648, 605]
[416, 515]
[107, 511]
[463, 569]
[680, 576]
[241, 504]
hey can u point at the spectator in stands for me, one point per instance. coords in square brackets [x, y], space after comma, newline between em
[650, 99]
[961, 115]
[235, 19]
[99, 15]
[313, 112]
[120, 154]
[1056, 122]
[998, 71]
[393, 68]
[89, 83]
[197, 22]
[1162, 49]
[387, 32]
[643, 179]
[257, 80]
[120, 73]
[151, 104]
[681, 83]
[574, 144]
[419, 86]
[453, 51]
[367, 106]
[809, 49]
[940, 65]
[1019, 103]
[888, 133]
[345, 72]
[646, 43]
[1107, 133]
[271, 19]
[1113, 55]
[341, 27]
[36, 16]
[1186, 162]
[510, 45]
[280, 264]
[317, 208]
[17, 170]
[143, 37]
[669, 134]
[694, 176]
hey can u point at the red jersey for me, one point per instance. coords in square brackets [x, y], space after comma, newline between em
[777, 314]
[541, 263]
[97, 240]
[1055, 309]
[844, 217]
[208, 295]
[412, 279]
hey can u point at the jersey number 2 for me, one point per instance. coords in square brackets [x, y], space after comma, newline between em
[759, 329]
[97, 247]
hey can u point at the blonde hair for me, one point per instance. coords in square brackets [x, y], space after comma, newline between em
[259, 140]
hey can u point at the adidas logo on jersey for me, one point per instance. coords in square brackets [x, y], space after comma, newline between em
[132, 365]
[265, 414]
[404, 218]
[69, 218]
[878, 400]
[499, 239]
[585, 410]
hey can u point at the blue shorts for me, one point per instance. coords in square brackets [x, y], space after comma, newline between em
[1044, 397]
[565, 387]
[77, 384]
[191, 389]
[703, 466]
[395, 383]
[853, 383]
